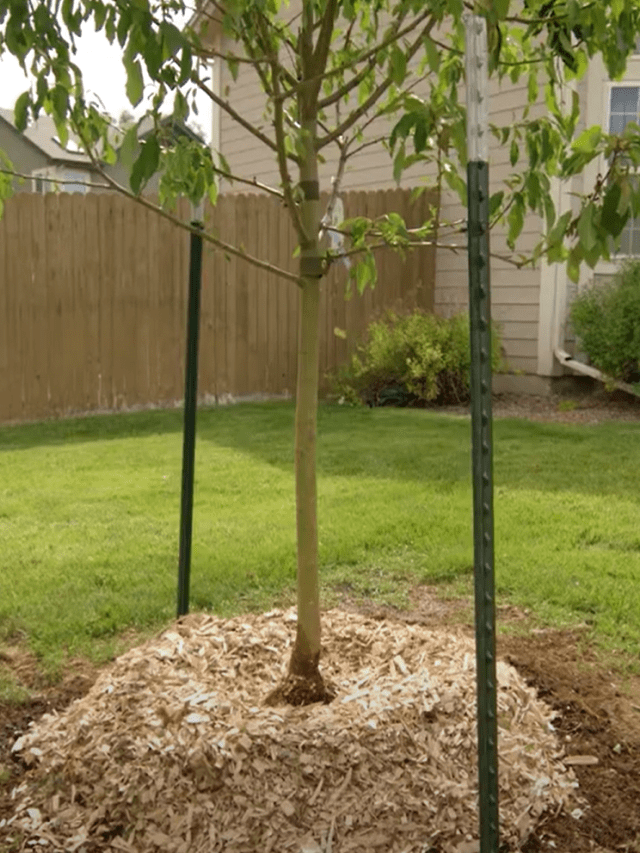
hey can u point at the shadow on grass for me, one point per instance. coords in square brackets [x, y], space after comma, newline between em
[90, 428]
[397, 444]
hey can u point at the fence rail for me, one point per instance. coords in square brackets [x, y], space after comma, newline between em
[94, 292]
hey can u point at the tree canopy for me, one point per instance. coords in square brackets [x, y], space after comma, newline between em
[350, 62]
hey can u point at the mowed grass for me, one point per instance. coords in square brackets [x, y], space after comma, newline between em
[90, 511]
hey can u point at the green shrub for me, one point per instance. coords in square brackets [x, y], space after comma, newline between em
[410, 360]
[606, 318]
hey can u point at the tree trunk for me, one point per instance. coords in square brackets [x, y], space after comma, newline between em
[306, 651]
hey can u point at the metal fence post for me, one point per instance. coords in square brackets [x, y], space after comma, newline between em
[481, 425]
[190, 404]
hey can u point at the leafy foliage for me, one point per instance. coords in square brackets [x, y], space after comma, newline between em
[410, 360]
[329, 73]
[606, 318]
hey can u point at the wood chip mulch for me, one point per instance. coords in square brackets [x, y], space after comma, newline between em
[172, 749]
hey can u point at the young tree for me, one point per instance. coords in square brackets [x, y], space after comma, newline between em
[338, 76]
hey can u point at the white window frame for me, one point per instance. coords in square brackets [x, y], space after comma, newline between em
[47, 185]
[633, 83]
[59, 180]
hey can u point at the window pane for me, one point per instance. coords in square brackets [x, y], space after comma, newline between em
[617, 123]
[624, 99]
[71, 176]
[624, 242]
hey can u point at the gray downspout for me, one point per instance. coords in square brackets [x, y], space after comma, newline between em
[569, 361]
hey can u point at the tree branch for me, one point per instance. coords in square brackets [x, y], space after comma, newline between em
[278, 126]
[323, 43]
[238, 118]
[375, 95]
[370, 58]
[91, 184]
[335, 188]
[252, 182]
[347, 87]
[394, 102]
[209, 238]
[370, 142]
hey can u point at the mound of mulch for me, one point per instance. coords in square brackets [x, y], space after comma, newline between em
[172, 749]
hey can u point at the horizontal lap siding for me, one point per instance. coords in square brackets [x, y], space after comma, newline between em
[372, 168]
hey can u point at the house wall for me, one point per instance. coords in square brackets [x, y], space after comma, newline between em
[515, 292]
[24, 156]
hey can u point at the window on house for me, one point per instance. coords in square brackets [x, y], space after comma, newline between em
[40, 183]
[74, 181]
[624, 106]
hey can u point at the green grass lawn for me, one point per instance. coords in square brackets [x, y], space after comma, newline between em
[90, 508]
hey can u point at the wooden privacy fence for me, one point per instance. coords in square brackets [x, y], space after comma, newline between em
[94, 301]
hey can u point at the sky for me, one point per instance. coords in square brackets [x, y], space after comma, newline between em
[103, 74]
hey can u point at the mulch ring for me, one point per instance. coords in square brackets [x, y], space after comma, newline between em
[170, 736]
[173, 749]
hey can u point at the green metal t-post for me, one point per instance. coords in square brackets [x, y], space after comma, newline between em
[189, 432]
[481, 428]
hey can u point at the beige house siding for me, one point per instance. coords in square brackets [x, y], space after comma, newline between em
[516, 293]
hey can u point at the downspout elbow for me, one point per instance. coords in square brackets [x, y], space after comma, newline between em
[569, 361]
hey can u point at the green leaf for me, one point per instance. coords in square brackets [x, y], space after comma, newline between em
[515, 219]
[135, 81]
[433, 55]
[398, 62]
[495, 202]
[402, 128]
[514, 153]
[420, 136]
[593, 256]
[129, 147]
[146, 164]
[60, 101]
[173, 38]
[233, 65]
[587, 228]
[500, 8]
[612, 221]
[573, 264]
[588, 140]
[21, 111]
[185, 65]
[456, 183]
[153, 55]
[63, 132]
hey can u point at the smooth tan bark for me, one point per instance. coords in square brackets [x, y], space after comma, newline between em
[306, 652]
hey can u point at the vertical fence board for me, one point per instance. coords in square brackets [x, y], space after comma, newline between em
[6, 363]
[12, 404]
[94, 301]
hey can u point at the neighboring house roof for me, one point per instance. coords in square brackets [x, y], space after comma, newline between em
[171, 129]
[43, 134]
